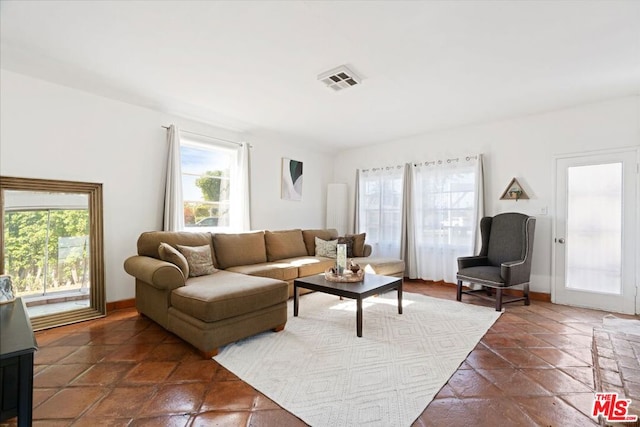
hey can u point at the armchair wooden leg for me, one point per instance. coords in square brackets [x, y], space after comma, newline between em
[526, 294]
[459, 291]
[498, 299]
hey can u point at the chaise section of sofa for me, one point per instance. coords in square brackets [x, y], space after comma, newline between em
[209, 315]
[208, 311]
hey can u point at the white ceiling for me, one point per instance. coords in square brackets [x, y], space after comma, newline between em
[426, 65]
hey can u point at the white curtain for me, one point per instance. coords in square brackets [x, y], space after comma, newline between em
[356, 210]
[241, 196]
[379, 209]
[173, 206]
[447, 204]
[408, 239]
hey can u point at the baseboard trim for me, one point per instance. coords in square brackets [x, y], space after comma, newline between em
[119, 305]
[536, 296]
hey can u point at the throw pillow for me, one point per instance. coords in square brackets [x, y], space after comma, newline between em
[199, 259]
[170, 254]
[347, 240]
[358, 244]
[326, 248]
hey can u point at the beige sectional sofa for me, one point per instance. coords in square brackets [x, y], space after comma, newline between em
[248, 291]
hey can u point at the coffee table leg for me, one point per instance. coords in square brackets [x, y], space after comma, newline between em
[295, 300]
[400, 298]
[359, 318]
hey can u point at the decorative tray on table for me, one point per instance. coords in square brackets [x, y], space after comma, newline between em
[347, 276]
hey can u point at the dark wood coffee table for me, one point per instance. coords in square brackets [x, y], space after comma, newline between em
[371, 285]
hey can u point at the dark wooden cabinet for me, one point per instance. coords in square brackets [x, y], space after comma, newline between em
[17, 345]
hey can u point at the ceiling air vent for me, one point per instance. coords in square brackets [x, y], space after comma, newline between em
[339, 78]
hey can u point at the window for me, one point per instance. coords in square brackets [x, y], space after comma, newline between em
[209, 177]
[446, 204]
[441, 214]
[380, 209]
[594, 228]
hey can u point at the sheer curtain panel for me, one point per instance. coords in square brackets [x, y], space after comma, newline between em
[379, 201]
[240, 199]
[173, 206]
[447, 204]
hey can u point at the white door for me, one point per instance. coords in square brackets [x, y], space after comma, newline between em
[596, 231]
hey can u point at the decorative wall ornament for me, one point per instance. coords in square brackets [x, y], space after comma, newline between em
[291, 179]
[514, 191]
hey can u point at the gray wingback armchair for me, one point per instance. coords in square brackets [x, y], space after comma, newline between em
[504, 259]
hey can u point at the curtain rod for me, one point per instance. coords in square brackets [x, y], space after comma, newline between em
[210, 137]
[383, 168]
[439, 162]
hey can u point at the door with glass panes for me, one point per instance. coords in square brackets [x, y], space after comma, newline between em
[596, 231]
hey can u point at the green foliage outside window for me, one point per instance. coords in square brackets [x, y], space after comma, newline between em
[210, 184]
[58, 236]
[215, 189]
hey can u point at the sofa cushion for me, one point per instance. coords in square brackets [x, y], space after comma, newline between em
[239, 249]
[149, 241]
[358, 244]
[199, 259]
[227, 294]
[309, 237]
[284, 244]
[170, 254]
[273, 270]
[308, 266]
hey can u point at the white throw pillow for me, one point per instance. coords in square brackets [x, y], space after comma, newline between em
[326, 248]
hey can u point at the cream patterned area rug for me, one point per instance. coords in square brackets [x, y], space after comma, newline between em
[319, 370]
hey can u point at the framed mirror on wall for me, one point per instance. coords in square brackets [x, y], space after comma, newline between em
[51, 244]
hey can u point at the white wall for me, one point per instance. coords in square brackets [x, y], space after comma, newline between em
[269, 211]
[51, 131]
[54, 132]
[522, 147]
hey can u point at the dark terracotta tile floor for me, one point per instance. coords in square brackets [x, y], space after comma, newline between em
[533, 367]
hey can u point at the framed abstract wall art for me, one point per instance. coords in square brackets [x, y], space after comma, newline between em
[291, 179]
